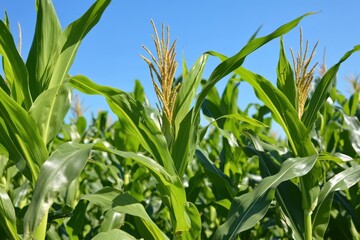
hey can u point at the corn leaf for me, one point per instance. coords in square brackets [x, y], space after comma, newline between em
[221, 184]
[4, 85]
[44, 49]
[7, 215]
[14, 68]
[112, 220]
[322, 91]
[287, 194]
[353, 125]
[170, 186]
[285, 77]
[133, 119]
[188, 89]
[63, 166]
[50, 109]
[21, 138]
[248, 209]
[228, 66]
[108, 198]
[114, 234]
[70, 40]
[341, 181]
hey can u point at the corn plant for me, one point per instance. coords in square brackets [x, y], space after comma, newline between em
[158, 173]
[170, 141]
[35, 98]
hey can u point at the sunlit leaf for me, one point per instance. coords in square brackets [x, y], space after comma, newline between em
[62, 167]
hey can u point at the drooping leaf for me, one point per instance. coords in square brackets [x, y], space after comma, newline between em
[62, 167]
[248, 209]
[287, 194]
[170, 186]
[108, 198]
[341, 181]
[133, 119]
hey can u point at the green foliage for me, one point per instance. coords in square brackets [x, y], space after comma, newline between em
[140, 176]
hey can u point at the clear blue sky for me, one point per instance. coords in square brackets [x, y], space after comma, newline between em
[109, 55]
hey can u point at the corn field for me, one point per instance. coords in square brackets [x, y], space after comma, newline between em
[194, 167]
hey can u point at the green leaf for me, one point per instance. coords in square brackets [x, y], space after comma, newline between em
[170, 186]
[322, 91]
[50, 109]
[109, 198]
[353, 125]
[139, 93]
[183, 147]
[7, 215]
[112, 220]
[63, 166]
[284, 113]
[188, 90]
[4, 85]
[21, 138]
[70, 40]
[232, 63]
[154, 167]
[244, 118]
[341, 181]
[75, 226]
[350, 106]
[285, 77]
[133, 119]
[248, 209]
[221, 184]
[44, 49]
[287, 194]
[14, 68]
[114, 234]
[229, 98]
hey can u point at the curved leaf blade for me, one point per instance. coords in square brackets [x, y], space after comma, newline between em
[70, 40]
[109, 198]
[62, 167]
[232, 63]
[322, 90]
[341, 181]
[114, 234]
[248, 209]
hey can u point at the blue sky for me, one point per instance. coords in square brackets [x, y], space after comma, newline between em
[109, 55]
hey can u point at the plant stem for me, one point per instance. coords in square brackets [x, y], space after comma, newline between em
[306, 205]
[40, 232]
[308, 225]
